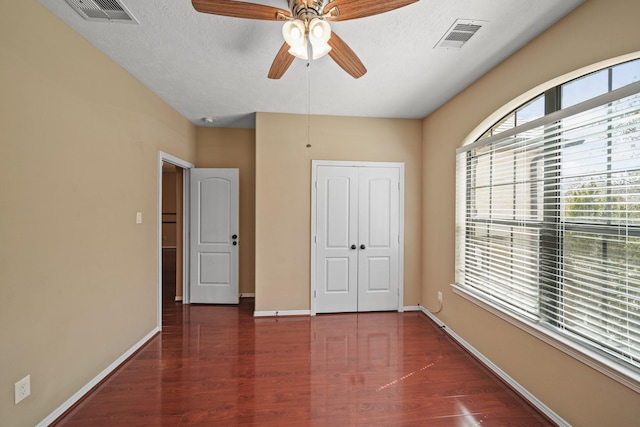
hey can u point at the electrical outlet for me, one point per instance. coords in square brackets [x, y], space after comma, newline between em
[139, 218]
[22, 389]
[439, 297]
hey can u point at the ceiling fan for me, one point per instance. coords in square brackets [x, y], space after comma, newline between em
[306, 30]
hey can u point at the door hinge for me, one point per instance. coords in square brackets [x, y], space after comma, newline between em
[315, 184]
[315, 239]
[315, 294]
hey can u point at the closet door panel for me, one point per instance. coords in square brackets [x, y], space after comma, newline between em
[378, 231]
[337, 232]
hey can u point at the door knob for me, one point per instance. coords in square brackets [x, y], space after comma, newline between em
[353, 246]
[362, 246]
[235, 236]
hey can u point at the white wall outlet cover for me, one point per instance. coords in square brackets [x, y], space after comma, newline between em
[22, 389]
[138, 217]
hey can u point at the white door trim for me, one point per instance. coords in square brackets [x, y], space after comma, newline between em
[314, 168]
[166, 157]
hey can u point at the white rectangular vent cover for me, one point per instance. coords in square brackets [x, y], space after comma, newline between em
[459, 33]
[103, 10]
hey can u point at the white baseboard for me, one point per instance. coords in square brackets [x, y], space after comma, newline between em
[307, 312]
[178, 297]
[91, 384]
[499, 372]
[247, 295]
[282, 313]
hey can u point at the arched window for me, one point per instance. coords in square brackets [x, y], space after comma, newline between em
[548, 216]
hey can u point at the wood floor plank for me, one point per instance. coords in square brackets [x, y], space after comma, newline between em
[217, 365]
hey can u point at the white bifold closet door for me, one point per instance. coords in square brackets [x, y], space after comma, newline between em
[357, 238]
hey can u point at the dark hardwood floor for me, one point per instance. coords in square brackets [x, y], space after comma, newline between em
[219, 366]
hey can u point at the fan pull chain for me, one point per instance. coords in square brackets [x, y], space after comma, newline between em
[309, 56]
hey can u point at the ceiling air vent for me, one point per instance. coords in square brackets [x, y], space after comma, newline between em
[102, 10]
[459, 33]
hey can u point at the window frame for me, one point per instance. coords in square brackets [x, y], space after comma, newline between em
[617, 370]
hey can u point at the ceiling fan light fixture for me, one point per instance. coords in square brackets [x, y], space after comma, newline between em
[305, 22]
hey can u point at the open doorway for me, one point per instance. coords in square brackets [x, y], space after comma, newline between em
[172, 234]
[172, 221]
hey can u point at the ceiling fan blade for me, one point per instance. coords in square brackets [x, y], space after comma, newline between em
[352, 9]
[281, 63]
[240, 9]
[345, 57]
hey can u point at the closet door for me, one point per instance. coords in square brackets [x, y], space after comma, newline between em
[378, 235]
[357, 238]
[337, 239]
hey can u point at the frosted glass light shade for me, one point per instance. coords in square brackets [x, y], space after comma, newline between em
[300, 51]
[294, 33]
[319, 35]
[319, 31]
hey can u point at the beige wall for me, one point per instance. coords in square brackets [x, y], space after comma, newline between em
[78, 277]
[283, 195]
[596, 31]
[235, 148]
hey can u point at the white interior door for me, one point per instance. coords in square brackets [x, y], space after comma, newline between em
[337, 239]
[214, 236]
[378, 234]
[357, 238]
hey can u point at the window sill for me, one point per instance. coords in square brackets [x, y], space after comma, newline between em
[619, 373]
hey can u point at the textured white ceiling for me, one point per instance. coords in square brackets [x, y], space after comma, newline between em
[214, 66]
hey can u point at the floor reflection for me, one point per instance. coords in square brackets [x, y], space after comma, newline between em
[218, 365]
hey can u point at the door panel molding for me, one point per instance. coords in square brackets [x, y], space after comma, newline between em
[378, 240]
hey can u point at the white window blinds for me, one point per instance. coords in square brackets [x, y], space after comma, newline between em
[548, 222]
